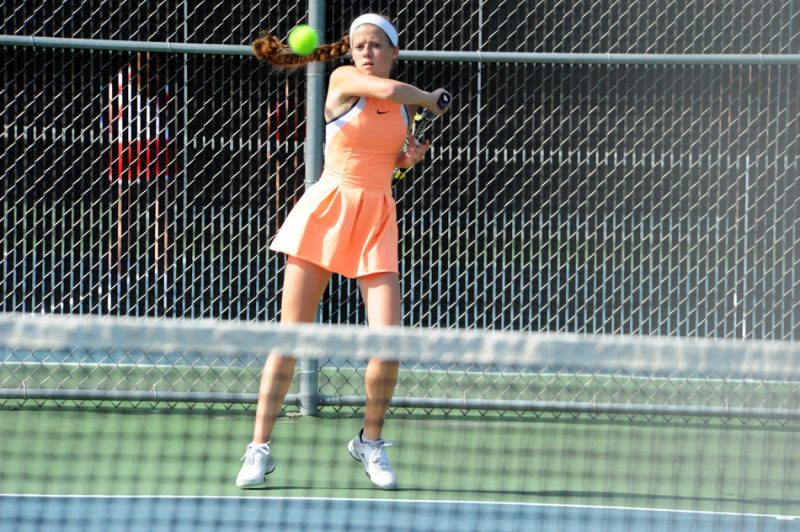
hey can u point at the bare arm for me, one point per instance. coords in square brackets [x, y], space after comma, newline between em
[347, 82]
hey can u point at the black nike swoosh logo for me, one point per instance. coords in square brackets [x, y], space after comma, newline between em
[383, 112]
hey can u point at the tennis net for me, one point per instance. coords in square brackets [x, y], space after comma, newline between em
[122, 423]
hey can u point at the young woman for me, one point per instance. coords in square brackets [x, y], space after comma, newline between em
[346, 224]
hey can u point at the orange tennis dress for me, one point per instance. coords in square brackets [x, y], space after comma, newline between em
[347, 221]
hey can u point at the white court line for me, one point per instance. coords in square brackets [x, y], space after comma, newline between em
[411, 501]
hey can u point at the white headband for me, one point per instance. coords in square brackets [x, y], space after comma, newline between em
[379, 21]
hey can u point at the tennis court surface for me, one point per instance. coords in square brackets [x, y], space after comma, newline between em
[718, 448]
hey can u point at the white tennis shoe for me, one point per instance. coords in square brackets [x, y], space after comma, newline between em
[376, 464]
[257, 465]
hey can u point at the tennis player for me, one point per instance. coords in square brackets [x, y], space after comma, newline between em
[346, 224]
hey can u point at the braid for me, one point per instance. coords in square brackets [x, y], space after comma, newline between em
[269, 48]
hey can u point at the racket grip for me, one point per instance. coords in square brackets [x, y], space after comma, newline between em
[442, 102]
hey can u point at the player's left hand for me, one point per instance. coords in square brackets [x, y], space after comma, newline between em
[414, 152]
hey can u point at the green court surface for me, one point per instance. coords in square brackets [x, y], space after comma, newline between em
[660, 464]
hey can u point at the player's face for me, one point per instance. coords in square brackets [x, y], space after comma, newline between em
[373, 53]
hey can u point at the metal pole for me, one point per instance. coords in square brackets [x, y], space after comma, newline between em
[416, 55]
[315, 123]
[425, 403]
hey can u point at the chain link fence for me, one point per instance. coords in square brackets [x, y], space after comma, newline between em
[643, 199]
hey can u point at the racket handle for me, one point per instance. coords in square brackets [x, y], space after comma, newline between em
[442, 102]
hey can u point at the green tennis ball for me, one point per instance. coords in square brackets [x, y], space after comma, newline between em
[303, 40]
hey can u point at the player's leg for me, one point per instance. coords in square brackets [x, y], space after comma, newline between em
[381, 294]
[303, 286]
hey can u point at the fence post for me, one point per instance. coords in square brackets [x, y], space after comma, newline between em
[315, 123]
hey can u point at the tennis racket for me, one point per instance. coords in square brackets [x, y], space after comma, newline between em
[422, 122]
